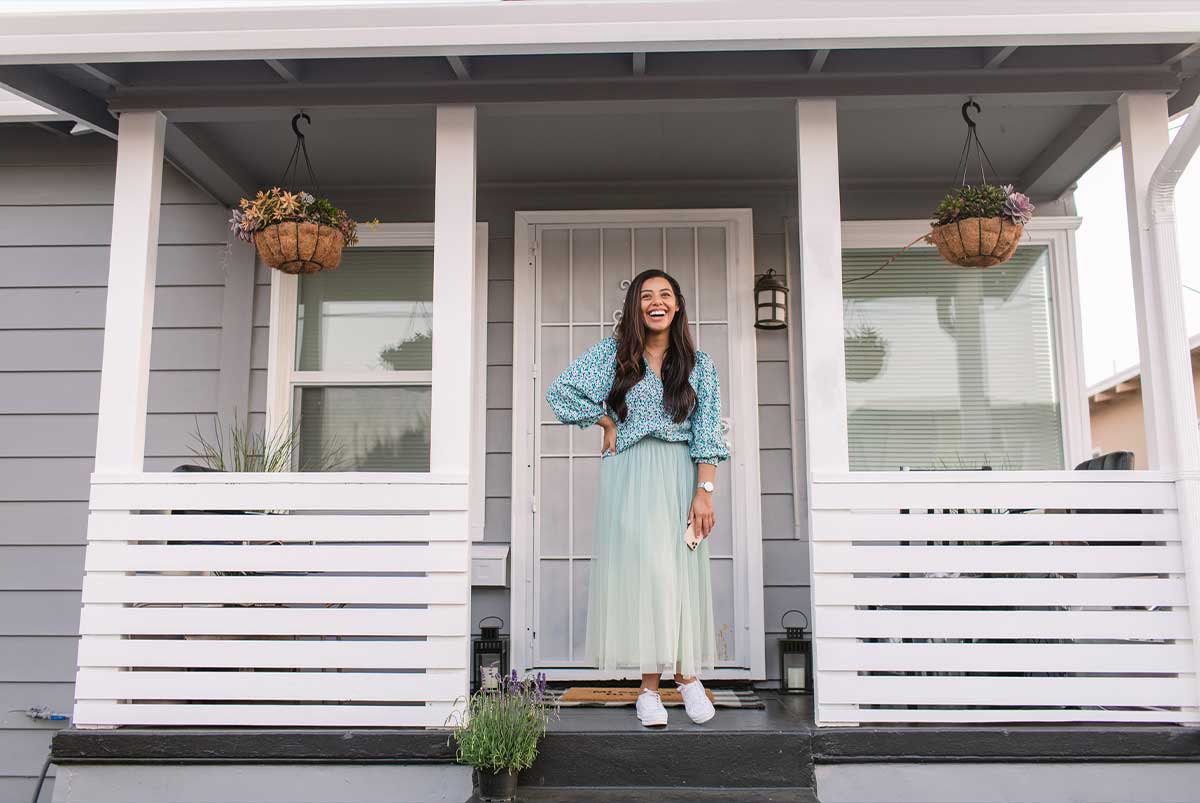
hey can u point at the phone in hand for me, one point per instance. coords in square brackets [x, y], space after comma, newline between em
[691, 537]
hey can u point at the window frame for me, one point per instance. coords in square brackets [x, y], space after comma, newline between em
[1057, 234]
[283, 378]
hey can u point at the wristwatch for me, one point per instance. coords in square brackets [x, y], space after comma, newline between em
[705, 486]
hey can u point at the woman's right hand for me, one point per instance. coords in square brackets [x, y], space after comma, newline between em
[609, 443]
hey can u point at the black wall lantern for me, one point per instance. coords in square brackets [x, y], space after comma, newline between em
[795, 658]
[770, 301]
[489, 655]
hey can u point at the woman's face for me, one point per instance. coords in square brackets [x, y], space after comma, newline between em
[659, 304]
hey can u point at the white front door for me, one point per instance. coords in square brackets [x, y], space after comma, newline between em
[572, 271]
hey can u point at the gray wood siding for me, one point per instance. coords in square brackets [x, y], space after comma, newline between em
[56, 195]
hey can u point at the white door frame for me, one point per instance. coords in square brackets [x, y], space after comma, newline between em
[743, 394]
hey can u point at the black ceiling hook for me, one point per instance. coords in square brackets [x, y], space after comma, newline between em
[970, 102]
[307, 119]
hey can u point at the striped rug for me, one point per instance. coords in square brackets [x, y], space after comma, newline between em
[607, 696]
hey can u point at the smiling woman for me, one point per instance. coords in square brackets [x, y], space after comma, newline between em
[658, 400]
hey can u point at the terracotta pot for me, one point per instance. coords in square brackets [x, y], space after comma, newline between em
[977, 242]
[496, 786]
[294, 247]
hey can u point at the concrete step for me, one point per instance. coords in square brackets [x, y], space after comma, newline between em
[674, 759]
[659, 794]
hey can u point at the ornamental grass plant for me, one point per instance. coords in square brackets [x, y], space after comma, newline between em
[500, 728]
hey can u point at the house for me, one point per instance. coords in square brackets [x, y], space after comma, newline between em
[524, 160]
[1115, 409]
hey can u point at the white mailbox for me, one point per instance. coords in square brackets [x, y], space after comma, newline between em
[489, 564]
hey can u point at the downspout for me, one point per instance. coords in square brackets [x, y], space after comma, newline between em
[1175, 375]
[1160, 214]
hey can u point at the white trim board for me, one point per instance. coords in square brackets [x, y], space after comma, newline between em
[86, 32]
[281, 354]
[743, 390]
[1058, 235]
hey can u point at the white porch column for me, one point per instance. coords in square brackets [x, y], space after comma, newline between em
[824, 359]
[823, 356]
[453, 289]
[129, 310]
[1152, 166]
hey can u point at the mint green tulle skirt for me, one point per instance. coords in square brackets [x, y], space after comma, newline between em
[649, 597]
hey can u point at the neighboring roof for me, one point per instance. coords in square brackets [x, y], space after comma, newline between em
[1131, 377]
[121, 31]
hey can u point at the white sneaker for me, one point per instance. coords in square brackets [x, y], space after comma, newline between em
[650, 711]
[696, 702]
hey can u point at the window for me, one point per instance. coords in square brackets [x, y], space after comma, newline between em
[951, 368]
[350, 362]
[363, 362]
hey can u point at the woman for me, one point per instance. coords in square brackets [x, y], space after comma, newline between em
[659, 403]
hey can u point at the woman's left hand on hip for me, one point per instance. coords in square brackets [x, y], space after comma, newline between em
[701, 516]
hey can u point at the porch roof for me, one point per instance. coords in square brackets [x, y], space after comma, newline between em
[671, 95]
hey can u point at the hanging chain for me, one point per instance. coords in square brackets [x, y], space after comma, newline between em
[300, 149]
[960, 172]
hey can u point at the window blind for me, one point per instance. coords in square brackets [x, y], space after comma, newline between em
[374, 312]
[363, 428]
[950, 368]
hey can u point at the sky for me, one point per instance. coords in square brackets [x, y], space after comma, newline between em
[1105, 277]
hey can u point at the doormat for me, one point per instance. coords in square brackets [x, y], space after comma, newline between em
[604, 696]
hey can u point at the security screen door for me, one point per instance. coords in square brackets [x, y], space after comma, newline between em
[580, 273]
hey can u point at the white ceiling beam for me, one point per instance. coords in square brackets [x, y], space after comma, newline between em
[993, 57]
[192, 100]
[462, 69]
[197, 160]
[290, 70]
[818, 61]
[109, 77]
[1178, 54]
[639, 63]
[1091, 132]
[47, 90]
[331, 29]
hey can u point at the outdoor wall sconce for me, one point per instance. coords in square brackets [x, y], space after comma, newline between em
[489, 655]
[770, 301]
[795, 658]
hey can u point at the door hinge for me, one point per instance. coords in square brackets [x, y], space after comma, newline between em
[533, 371]
[533, 504]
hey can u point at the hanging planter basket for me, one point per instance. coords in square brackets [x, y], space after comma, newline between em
[866, 353]
[292, 230]
[300, 247]
[977, 242]
[979, 225]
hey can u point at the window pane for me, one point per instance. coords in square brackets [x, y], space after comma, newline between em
[363, 428]
[371, 314]
[950, 368]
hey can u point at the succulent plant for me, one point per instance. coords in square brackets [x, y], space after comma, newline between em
[983, 200]
[1017, 208]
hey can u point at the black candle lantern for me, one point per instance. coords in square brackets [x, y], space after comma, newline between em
[795, 658]
[770, 301]
[489, 655]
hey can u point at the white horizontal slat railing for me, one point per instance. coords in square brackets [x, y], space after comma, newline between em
[274, 600]
[1000, 597]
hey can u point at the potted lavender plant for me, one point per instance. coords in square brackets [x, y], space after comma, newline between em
[499, 730]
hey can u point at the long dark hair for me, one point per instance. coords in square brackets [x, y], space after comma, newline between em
[679, 397]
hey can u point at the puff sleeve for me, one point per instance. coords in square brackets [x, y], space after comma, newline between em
[707, 439]
[577, 395]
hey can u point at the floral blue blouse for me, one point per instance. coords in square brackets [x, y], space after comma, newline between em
[577, 397]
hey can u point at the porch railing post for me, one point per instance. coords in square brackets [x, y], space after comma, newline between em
[823, 361]
[1152, 165]
[454, 318]
[129, 309]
